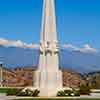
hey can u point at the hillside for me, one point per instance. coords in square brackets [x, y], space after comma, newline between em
[72, 79]
[93, 79]
[73, 60]
[24, 76]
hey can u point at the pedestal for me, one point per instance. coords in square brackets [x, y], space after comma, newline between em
[48, 82]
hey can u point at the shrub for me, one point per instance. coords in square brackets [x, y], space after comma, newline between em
[65, 93]
[22, 94]
[84, 90]
[36, 92]
[61, 93]
[76, 93]
[28, 92]
[68, 92]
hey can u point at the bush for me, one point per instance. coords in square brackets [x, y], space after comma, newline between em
[84, 90]
[28, 93]
[61, 93]
[68, 93]
[22, 94]
[19, 92]
[36, 92]
[76, 93]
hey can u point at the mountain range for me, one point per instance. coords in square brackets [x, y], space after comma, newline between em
[82, 62]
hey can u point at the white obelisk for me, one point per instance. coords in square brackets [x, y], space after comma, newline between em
[48, 76]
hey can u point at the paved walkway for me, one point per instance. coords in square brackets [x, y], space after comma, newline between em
[4, 97]
[12, 98]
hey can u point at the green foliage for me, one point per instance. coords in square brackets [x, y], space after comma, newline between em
[36, 93]
[19, 92]
[60, 99]
[84, 90]
[12, 91]
[76, 93]
[22, 94]
[28, 92]
[68, 93]
[93, 79]
[61, 93]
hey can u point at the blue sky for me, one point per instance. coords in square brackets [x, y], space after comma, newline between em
[78, 21]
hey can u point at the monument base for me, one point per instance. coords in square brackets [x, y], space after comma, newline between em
[48, 82]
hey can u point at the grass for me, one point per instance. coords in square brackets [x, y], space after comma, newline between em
[61, 99]
[5, 89]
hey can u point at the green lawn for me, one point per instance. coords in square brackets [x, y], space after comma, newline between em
[58, 99]
[4, 90]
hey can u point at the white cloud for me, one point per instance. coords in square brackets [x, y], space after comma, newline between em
[70, 46]
[86, 48]
[32, 45]
[17, 43]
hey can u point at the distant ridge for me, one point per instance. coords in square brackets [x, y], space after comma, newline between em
[73, 60]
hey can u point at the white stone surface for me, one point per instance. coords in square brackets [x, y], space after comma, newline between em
[48, 77]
